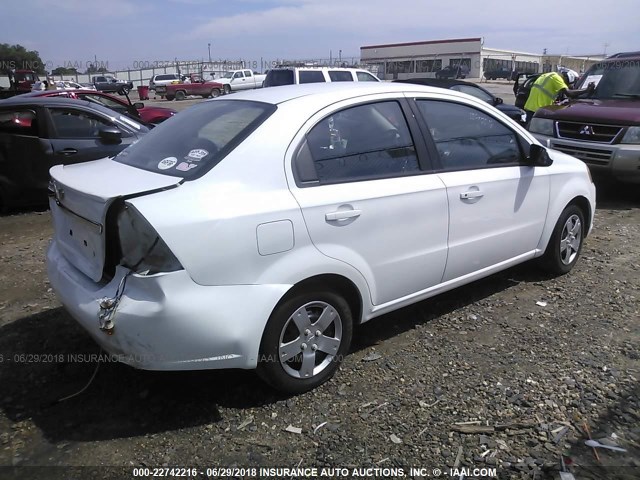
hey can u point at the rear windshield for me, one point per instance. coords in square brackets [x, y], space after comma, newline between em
[193, 142]
[275, 78]
[166, 77]
[615, 79]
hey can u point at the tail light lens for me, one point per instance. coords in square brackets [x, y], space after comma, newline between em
[141, 248]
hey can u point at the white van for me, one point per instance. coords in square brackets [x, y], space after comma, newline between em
[295, 75]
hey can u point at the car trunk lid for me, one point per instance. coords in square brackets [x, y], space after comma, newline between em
[80, 198]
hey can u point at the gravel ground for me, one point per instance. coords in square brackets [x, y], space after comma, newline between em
[502, 373]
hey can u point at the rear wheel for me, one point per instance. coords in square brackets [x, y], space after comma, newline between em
[566, 242]
[181, 95]
[305, 341]
[170, 97]
[227, 89]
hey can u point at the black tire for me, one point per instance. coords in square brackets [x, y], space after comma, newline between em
[181, 95]
[335, 335]
[227, 89]
[169, 97]
[215, 93]
[566, 241]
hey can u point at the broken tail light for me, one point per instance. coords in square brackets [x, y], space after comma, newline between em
[141, 248]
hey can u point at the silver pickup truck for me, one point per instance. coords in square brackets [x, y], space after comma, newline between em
[236, 80]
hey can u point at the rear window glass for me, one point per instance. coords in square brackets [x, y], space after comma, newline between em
[276, 78]
[192, 143]
[166, 77]
[315, 76]
[340, 76]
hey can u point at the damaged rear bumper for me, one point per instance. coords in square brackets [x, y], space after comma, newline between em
[167, 321]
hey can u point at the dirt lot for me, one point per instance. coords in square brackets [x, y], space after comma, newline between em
[519, 354]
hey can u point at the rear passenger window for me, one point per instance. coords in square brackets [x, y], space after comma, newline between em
[360, 143]
[366, 77]
[340, 76]
[310, 76]
[467, 138]
[78, 124]
[19, 122]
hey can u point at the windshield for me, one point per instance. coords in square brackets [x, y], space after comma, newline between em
[227, 75]
[616, 79]
[192, 143]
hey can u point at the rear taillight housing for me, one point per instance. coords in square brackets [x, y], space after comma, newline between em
[141, 248]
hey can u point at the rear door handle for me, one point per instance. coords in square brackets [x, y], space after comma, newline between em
[341, 215]
[68, 151]
[471, 194]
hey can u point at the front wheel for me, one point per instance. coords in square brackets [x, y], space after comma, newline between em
[305, 341]
[566, 242]
[215, 93]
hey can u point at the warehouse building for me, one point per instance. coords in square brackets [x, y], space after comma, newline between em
[427, 58]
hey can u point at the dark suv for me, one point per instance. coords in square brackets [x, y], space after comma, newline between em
[453, 71]
[604, 129]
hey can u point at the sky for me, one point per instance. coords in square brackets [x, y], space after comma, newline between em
[138, 33]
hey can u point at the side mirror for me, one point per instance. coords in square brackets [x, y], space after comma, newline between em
[538, 156]
[110, 134]
[498, 101]
[138, 105]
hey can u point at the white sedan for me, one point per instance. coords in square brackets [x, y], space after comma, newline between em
[255, 232]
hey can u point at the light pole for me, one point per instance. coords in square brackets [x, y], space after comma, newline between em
[209, 45]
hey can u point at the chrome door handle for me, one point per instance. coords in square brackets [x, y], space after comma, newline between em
[341, 215]
[471, 194]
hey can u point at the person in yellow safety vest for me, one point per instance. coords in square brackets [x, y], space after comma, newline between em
[548, 87]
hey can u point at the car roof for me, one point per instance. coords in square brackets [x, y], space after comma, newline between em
[331, 91]
[635, 55]
[55, 102]
[436, 82]
[53, 93]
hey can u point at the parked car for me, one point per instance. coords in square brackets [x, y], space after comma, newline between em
[294, 75]
[453, 71]
[38, 133]
[138, 111]
[257, 231]
[236, 80]
[163, 79]
[604, 129]
[71, 85]
[20, 81]
[110, 84]
[475, 90]
[496, 73]
[194, 86]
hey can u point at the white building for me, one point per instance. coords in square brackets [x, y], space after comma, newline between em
[424, 59]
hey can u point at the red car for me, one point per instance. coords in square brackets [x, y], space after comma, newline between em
[137, 111]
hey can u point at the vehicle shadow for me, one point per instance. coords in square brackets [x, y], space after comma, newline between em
[392, 324]
[48, 356]
[612, 195]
